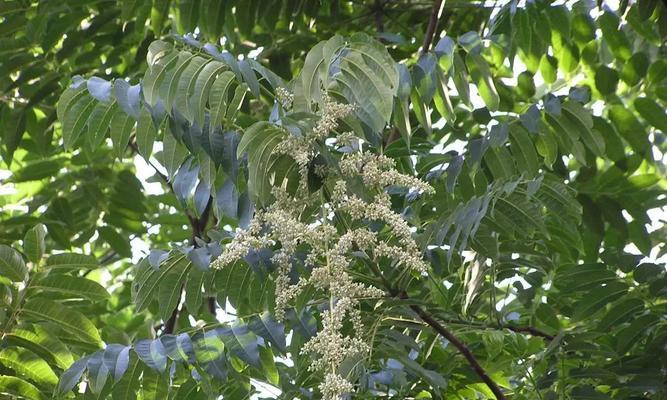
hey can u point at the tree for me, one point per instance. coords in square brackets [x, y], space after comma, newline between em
[358, 199]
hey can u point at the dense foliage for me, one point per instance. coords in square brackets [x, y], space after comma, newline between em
[325, 199]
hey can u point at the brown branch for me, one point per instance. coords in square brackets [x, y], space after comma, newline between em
[444, 332]
[436, 11]
[170, 324]
[460, 346]
[529, 329]
[198, 226]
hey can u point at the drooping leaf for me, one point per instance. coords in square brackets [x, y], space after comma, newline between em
[72, 287]
[69, 320]
[268, 328]
[12, 265]
[14, 386]
[28, 365]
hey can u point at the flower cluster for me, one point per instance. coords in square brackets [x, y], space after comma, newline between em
[300, 148]
[330, 113]
[284, 97]
[378, 171]
[289, 224]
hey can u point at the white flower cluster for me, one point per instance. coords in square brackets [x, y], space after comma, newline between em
[242, 243]
[330, 113]
[290, 225]
[378, 171]
[335, 386]
[284, 97]
[301, 148]
[406, 252]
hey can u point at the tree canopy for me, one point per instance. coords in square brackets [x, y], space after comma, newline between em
[333, 199]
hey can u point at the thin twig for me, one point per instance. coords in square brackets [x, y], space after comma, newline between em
[436, 11]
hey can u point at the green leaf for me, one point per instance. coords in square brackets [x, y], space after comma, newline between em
[204, 81]
[481, 76]
[155, 385]
[547, 315]
[148, 279]
[598, 298]
[628, 337]
[173, 153]
[526, 84]
[217, 98]
[119, 243]
[69, 98]
[583, 121]
[193, 290]
[169, 292]
[619, 313]
[75, 120]
[606, 80]
[152, 353]
[402, 120]
[524, 150]
[155, 75]
[460, 77]
[567, 133]
[422, 111]
[71, 261]
[442, 101]
[28, 365]
[99, 121]
[121, 129]
[652, 112]
[33, 243]
[72, 287]
[12, 265]
[235, 104]
[174, 77]
[270, 329]
[629, 128]
[269, 365]
[315, 71]
[361, 86]
[68, 319]
[635, 69]
[146, 133]
[128, 386]
[186, 85]
[583, 277]
[241, 342]
[38, 170]
[41, 342]
[546, 145]
[549, 68]
[568, 58]
[17, 387]
[116, 358]
[616, 40]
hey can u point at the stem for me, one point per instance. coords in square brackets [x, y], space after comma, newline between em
[438, 327]
[436, 11]
[378, 10]
[170, 324]
[17, 310]
[460, 346]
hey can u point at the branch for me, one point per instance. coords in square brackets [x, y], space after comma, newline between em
[460, 346]
[170, 324]
[436, 11]
[378, 10]
[529, 329]
[438, 327]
